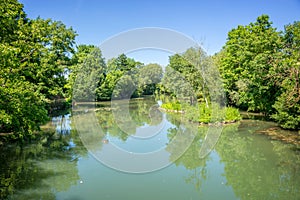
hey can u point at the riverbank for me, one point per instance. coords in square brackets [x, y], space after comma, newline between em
[277, 133]
[274, 133]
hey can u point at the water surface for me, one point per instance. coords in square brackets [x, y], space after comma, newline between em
[242, 165]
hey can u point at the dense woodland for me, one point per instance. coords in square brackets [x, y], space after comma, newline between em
[40, 62]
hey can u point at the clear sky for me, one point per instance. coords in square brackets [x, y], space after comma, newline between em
[206, 21]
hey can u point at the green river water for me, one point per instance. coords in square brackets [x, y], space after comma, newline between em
[242, 164]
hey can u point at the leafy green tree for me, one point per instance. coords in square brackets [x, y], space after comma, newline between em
[121, 72]
[33, 61]
[125, 87]
[87, 73]
[12, 15]
[122, 63]
[148, 78]
[175, 85]
[39, 54]
[77, 60]
[21, 109]
[188, 67]
[288, 103]
[250, 57]
[195, 75]
[104, 92]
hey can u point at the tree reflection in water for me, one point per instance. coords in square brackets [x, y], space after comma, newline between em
[254, 166]
[42, 168]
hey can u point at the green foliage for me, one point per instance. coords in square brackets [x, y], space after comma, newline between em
[260, 70]
[33, 60]
[213, 113]
[174, 84]
[288, 117]
[127, 78]
[87, 74]
[105, 90]
[232, 114]
[77, 60]
[199, 113]
[184, 76]
[248, 62]
[204, 114]
[172, 106]
[148, 78]
[22, 110]
[288, 103]
[121, 69]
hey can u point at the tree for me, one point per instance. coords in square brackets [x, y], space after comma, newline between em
[287, 104]
[121, 72]
[22, 110]
[86, 74]
[33, 61]
[104, 92]
[77, 59]
[251, 55]
[198, 73]
[148, 78]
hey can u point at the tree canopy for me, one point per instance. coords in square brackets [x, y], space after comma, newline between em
[33, 61]
[39, 63]
[260, 70]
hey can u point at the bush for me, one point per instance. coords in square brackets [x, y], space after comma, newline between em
[232, 114]
[287, 114]
[204, 114]
[172, 106]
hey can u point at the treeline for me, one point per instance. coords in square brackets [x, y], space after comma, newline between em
[260, 68]
[91, 78]
[40, 63]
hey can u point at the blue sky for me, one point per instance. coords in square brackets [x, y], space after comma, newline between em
[207, 22]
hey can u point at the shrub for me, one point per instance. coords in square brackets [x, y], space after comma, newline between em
[232, 114]
[205, 114]
[172, 106]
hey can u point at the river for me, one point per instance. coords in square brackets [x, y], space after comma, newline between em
[76, 164]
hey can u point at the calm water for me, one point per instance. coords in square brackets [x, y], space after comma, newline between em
[242, 165]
